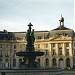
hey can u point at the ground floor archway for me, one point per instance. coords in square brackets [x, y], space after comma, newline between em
[68, 63]
[54, 65]
[61, 63]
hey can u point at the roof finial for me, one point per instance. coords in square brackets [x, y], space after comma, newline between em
[61, 21]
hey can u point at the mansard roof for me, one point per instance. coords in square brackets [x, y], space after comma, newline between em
[6, 35]
[62, 31]
[61, 28]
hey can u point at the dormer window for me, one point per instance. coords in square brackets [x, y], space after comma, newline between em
[39, 37]
[59, 34]
[66, 34]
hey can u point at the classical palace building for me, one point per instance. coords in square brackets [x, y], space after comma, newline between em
[58, 46]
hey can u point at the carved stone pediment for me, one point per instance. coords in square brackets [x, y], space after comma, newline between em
[60, 38]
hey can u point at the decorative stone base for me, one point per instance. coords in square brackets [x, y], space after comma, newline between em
[31, 72]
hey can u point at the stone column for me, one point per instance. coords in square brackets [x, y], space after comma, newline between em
[17, 62]
[64, 53]
[50, 55]
[64, 63]
[63, 49]
[71, 54]
[50, 61]
[50, 50]
[57, 62]
[71, 62]
[42, 62]
[57, 53]
[70, 49]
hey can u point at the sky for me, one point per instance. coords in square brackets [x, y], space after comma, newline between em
[15, 15]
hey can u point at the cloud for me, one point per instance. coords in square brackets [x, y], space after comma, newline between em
[12, 25]
[16, 14]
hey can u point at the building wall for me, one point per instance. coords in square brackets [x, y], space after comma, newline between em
[57, 50]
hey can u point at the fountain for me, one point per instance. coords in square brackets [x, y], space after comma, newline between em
[30, 54]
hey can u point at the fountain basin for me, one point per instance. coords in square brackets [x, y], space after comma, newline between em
[27, 54]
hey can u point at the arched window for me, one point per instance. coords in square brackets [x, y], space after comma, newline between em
[54, 62]
[61, 63]
[14, 62]
[38, 61]
[47, 62]
[67, 62]
[20, 62]
[6, 62]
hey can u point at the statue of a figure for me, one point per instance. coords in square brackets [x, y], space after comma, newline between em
[32, 36]
[28, 35]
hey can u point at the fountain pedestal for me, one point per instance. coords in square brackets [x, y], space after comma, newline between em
[30, 54]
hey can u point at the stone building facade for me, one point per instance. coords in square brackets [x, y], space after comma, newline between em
[58, 46]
